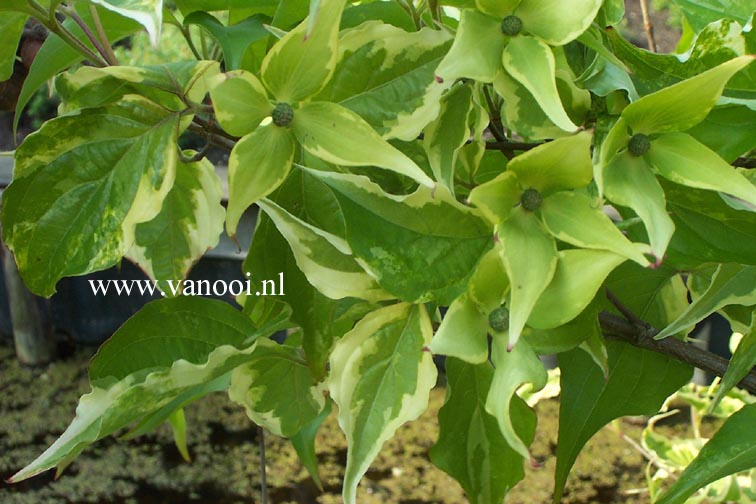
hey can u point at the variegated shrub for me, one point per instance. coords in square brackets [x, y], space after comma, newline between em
[434, 177]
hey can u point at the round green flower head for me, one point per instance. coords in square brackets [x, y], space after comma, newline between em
[531, 200]
[282, 114]
[511, 26]
[499, 319]
[639, 144]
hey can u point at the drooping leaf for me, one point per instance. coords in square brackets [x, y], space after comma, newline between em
[531, 62]
[169, 347]
[304, 444]
[578, 277]
[731, 450]
[530, 258]
[463, 332]
[11, 29]
[338, 135]
[107, 169]
[400, 94]
[489, 285]
[276, 389]
[557, 22]
[189, 223]
[680, 158]
[741, 363]
[325, 259]
[470, 446]
[300, 64]
[732, 284]
[258, 164]
[476, 51]
[380, 379]
[392, 237]
[638, 383]
[512, 369]
[148, 13]
[177, 420]
[240, 102]
[571, 217]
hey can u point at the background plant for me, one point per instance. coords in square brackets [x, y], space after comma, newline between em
[406, 157]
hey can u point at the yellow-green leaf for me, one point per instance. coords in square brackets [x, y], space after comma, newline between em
[463, 332]
[557, 22]
[476, 51]
[240, 102]
[496, 198]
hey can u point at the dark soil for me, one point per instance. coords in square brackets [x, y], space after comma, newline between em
[37, 404]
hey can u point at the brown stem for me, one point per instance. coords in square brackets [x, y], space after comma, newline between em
[648, 26]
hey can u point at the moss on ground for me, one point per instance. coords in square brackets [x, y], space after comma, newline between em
[37, 404]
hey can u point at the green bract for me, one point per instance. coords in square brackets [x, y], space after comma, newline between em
[490, 181]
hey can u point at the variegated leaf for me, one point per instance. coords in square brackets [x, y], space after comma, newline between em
[170, 347]
[189, 223]
[381, 378]
[148, 13]
[557, 22]
[476, 51]
[240, 102]
[277, 389]
[463, 332]
[399, 95]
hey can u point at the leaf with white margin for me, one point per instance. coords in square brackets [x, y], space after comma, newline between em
[420, 247]
[107, 169]
[682, 159]
[573, 218]
[148, 13]
[240, 102]
[685, 104]
[338, 135]
[277, 389]
[462, 333]
[530, 258]
[189, 223]
[531, 62]
[169, 347]
[496, 198]
[554, 166]
[470, 446]
[476, 51]
[629, 182]
[578, 277]
[732, 284]
[325, 259]
[512, 369]
[557, 22]
[381, 378]
[489, 284]
[258, 164]
[300, 64]
[448, 133]
[400, 94]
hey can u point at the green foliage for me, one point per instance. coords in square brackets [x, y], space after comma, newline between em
[426, 185]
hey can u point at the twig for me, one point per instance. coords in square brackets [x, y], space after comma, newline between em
[263, 472]
[88, 32]
[625, 311]
[648, 26]
[495, 117]
[110, 56]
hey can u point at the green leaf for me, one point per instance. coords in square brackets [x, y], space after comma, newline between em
[700, 13]
[448, 133]
[55, 55]
[578, 277]
[234, 40]
[560, 339]
[470, 446]
[258, 164]
[682, 105]
[148, 13]
[681, 159]
[276, 389]
[169, 347]
[554, 166]
[496, 198]
[11, 29]
[16, 5]
[497, 8]
[399, 95]
[532, 64]
[304, 444]
[732, 284]
[728, 130]
[476, 51]
[489, 285]
[421, 247]
[178, 426]
[300, 64]
[630, 183]
[573, 218]
[638, 383]
[463, 333]
[557, 22]
[189, 223]
[741, 363]
[106, 169]
[530, 257]
[513, 368]
[325, 259]
[240, 102]
[380, 379]
[338, 135]
[731, 450]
